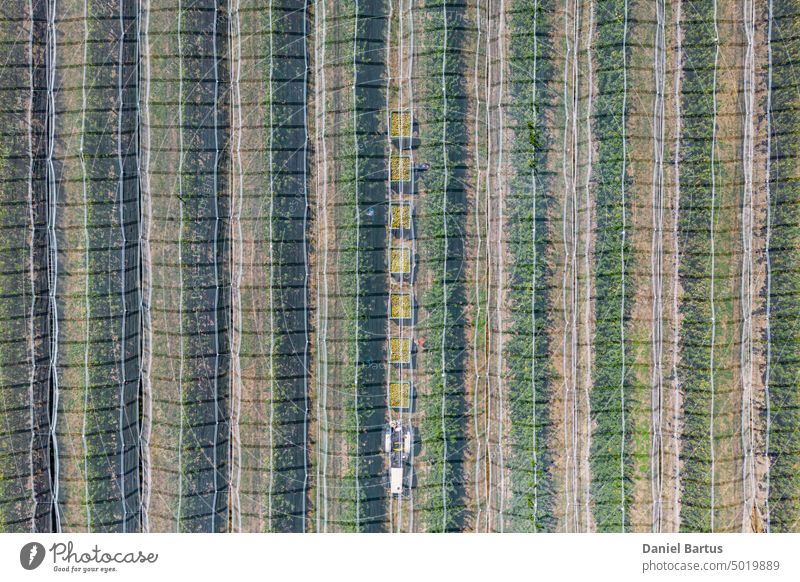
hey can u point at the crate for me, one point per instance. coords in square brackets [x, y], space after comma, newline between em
[400, 350]
[400, 262]
[400, 168]
[400, 394]
[400, 124]
[400, 304]
[400, 216]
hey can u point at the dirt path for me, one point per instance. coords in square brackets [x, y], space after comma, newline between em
[756, 491]
[570, 406]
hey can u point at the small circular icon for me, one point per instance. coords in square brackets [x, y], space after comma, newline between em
[31, 555]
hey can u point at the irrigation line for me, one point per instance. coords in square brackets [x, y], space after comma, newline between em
[306, 210]
[657, 277]
[535, 259]
[326, 222]
[140, 404]
[322, 290]
[488, 64]
[357, 268]
[271, 273]
[676, 388]
[216, 275]
[587, 253]
[574, 236]
[570, 247]
[675, 271]
[574, 259]
[236, 443]
[320, 307]
[768, 312]
[444, 272]
[713, 263]
[746, 349]
[87, 242]
[180, 260]
[123, 279]
[622, 257]
[565, 177]
[32, 273]
[501, 266]
[478, 250]
[233, 185]
[52, 53]
[147, 287]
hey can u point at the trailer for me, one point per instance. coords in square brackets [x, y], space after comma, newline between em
[396, 480]
[397, 443]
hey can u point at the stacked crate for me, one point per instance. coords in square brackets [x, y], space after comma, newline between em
[402, 344]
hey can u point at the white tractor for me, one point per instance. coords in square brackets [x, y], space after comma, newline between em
[397, 442]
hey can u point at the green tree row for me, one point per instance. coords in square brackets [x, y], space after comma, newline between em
[611, 449]
[531, 69]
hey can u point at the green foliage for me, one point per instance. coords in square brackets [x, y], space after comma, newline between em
[696, 230]
[204, 283]
[97, 359]
[352, 165]
[530, 385]
[784, 247]
[611, 458]
[443, 427]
